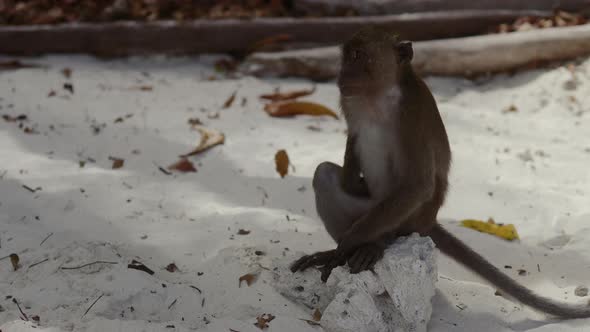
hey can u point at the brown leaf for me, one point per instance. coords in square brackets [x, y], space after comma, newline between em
[248, 278]
[243, 232]
[510, 109]
[263, 320]
[230, 100]
[195, 122]
[117, 162]
[10, 118]
[51, 93]
[67, 72]
[317, 315]
[171, 267]
[209, 139]
[14, 259]
[183, 165]
[279, 96]
[282, 162]
[16, 64]
[292, 108]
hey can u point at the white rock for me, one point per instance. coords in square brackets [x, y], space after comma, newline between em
[396, 298]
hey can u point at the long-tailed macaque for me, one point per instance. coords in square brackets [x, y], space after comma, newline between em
[395, 173]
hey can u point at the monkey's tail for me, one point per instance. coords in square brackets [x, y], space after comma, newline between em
[460, 252]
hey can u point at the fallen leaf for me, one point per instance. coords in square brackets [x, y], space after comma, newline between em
[10, 118]
[230, 100]
[209, 139]
[36, 318]
[279, 96]
[14, 259]
[263, 320]
[171, 267]
[117, 162]
[282, 162]
[510, 109]
[67, 72]
[243, 232]
[16, 64]
[522, 272]
[51, 93]
[140, 266]
[183, 165]
[69, 87]
[248, 278]
[292, 108]
[317, 315]
[507, 232]
[194, 122]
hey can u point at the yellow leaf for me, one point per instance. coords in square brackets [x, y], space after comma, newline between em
[292, 108]
[507, 232]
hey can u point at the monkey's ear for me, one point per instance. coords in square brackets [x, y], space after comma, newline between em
[404, 51]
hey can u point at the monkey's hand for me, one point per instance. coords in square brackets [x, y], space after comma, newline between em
[318, 259]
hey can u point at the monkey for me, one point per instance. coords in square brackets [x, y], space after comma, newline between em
[394, 177]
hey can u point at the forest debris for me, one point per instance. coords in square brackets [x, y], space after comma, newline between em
[14, 260]
[69, 87]
[317, 315]
[92, 305]
[292, 108]
[10, 118]
[282, 163]
[183, 165]
[117, 162]
[171, 267]
[581, 291]
[248, 278]
[209, 139]
[263, 320]
[510, 109]
[85, 265]
[16, 64]
[282, 96]
[67, 72]
[230, 100]
[242, 231]
[507, 232]
[140, 266]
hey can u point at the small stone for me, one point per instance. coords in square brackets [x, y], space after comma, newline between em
[581, 291]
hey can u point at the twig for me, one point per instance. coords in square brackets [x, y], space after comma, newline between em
[92, 305]
[171, 304]
[45, 239]
[35, 264]
[19, 309]
[195, 287]
[29, 188]
[88, 264]
[162, 169]
[140, 266]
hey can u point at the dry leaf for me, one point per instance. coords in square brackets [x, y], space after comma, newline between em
[183, 165]
[279, 96]
[117, 162]
[194, 122]
[14, 259]
[230, 100]
[263, 320]
[282, 162]
[67, 72]
[248, 278]
[51, 93]
[510, 109]
[317, 315]
[292, 108]
[209, 139]
[171, 267]
[69, 87]
[243, 232]
[10, 118]
[16, 64]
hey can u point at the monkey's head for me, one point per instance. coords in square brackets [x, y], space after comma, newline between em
[373, 59]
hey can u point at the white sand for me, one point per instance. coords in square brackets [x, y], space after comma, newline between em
[528, 167]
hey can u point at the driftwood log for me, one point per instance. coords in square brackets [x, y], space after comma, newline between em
[382, 7]
[468, 56]
[220, 36]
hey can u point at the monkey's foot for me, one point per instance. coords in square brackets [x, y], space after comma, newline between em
[318, 259]
[365, 257]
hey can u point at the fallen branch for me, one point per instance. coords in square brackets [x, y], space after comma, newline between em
[231, 35]
[92, 305]
[468, 56]
[85, 265]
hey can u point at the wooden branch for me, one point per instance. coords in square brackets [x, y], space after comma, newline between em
[412, 6]
[231, 35]
[469, 56]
